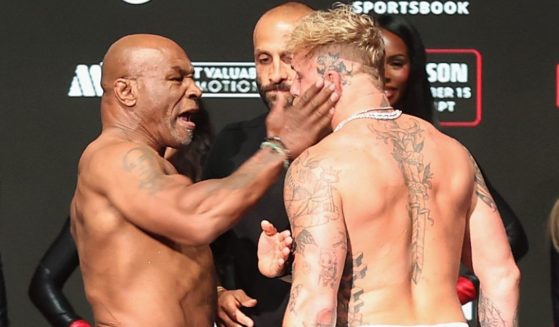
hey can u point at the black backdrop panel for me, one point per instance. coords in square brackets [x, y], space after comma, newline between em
[493, 63]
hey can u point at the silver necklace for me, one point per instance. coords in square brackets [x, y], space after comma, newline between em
[371, 114]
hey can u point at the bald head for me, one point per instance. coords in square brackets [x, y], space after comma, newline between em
[282, 17]
[273, 71]
[149, 89]
[135, 55]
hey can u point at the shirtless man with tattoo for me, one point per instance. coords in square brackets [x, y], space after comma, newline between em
[384, 209]
[143, 231]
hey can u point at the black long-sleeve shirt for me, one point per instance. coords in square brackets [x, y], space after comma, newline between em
[54, 269]
[554, 257]
[3, 302]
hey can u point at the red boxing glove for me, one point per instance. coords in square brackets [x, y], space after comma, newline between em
[80, 323]
[466, 290]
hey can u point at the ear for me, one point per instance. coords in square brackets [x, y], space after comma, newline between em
[125, 91]
[335, 78]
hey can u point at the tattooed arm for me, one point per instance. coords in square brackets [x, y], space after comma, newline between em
[146, 190]
[487, 252]
[314, 208]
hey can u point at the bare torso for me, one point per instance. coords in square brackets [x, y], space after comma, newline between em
[132, 277]
[405, 192]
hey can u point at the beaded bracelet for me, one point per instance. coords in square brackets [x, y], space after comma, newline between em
[277, 146]
[277, 140]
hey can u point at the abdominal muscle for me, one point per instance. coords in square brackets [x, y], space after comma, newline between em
[145, 281]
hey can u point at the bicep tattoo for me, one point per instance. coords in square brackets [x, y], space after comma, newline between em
[482, 191]
[314, 210]
[143, 163]
[328, 268]
[309, 193]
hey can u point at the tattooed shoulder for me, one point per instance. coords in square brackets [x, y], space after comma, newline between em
[481, 189]
[144, 164]
[310, 192]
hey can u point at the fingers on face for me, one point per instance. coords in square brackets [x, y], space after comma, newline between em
[316, 94]
[328, 100]
[309, 94]
[323, 102]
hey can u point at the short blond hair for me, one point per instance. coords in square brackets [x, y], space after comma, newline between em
[340, 28]
[554, 225]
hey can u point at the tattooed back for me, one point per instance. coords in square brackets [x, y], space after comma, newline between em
[378, 211]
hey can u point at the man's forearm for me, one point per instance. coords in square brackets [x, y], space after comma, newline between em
[256, 175]
[220, 203]
[498, 302]
[309, 307]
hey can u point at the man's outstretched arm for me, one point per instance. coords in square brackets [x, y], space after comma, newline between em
[314, 209]
[488, 253]
[133, 179]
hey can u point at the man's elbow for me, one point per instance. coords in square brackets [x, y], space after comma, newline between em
[202, 230]
[506, 279]
[196, 237]
[318, 309]
[514, 276]
[326, 316]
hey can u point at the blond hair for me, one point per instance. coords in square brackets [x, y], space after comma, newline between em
[554, 225]
[355, 35]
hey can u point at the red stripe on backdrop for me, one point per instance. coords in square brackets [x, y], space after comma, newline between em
[557, 86]
[477, 54]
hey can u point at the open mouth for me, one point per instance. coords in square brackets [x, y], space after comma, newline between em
[389, 92]
[186, 119]
[186, 116]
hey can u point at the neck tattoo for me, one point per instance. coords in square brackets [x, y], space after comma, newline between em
[379, 113]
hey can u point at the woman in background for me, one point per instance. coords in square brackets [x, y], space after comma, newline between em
[407, 89]
[3, 303]
[554, 256]
[406, 84]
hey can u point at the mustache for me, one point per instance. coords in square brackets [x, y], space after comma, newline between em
[276, 87]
